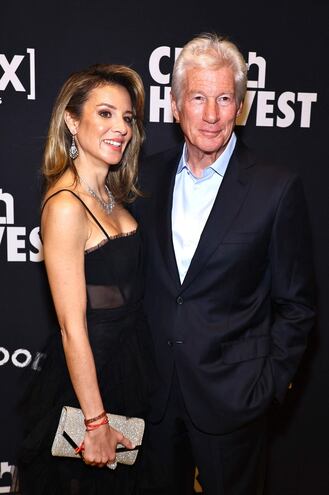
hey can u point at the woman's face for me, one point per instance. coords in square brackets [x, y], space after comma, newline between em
[105, 127]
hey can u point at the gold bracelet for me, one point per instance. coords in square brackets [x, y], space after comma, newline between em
[96, 418]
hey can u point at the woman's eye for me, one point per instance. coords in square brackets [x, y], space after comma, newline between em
[105, 113]
[129, 119]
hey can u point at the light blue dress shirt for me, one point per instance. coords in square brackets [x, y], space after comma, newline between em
[193, 200]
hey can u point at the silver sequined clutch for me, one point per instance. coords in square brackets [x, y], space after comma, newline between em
[71, 431]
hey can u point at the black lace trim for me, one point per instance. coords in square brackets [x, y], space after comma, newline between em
[110, 238]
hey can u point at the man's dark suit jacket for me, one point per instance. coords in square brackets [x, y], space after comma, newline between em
[237, 327]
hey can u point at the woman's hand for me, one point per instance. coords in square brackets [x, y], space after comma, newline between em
[100, 445]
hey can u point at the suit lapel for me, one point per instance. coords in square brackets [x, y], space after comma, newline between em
[228, 202]
[164, 207]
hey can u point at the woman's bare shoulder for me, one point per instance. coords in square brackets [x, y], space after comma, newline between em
[64, 214]
[62, 203]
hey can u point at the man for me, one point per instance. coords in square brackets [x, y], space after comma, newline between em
[228, 284]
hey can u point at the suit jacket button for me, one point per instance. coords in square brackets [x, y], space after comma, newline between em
[179, 300]
[170, 343]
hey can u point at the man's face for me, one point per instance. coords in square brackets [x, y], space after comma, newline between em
[207, 111]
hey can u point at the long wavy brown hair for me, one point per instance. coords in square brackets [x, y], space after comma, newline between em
[74, 93]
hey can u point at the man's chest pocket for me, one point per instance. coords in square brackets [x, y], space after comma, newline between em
[240, 237]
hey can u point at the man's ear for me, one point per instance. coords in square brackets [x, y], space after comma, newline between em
[71, 122]
[239, 109]
[174, 108]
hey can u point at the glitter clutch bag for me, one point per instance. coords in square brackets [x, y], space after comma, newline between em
[71, 431]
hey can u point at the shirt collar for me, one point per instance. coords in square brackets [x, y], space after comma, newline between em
[220, 165]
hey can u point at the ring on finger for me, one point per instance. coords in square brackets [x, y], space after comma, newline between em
[112, 465]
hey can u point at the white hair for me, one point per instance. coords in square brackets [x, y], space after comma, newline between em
[210, 51]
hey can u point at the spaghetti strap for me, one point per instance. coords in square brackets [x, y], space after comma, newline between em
[84, 204]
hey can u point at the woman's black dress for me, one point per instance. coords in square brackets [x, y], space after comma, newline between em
[119, 341]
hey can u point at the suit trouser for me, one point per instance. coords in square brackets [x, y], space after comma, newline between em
[228, 464]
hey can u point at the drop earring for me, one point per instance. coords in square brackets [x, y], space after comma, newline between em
[73, 152]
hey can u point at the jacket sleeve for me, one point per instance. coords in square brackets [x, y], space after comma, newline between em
[292, 287]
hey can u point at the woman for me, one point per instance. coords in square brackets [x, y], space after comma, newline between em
[92, 256]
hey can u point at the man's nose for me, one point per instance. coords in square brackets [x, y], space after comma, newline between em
[211, 111]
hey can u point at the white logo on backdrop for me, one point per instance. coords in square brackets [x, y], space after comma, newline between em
[16, 239]
[7, 473]
[10, 68]
[271, 109]
[21, 358]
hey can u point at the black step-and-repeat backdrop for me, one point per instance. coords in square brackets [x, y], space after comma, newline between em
[285, 117]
